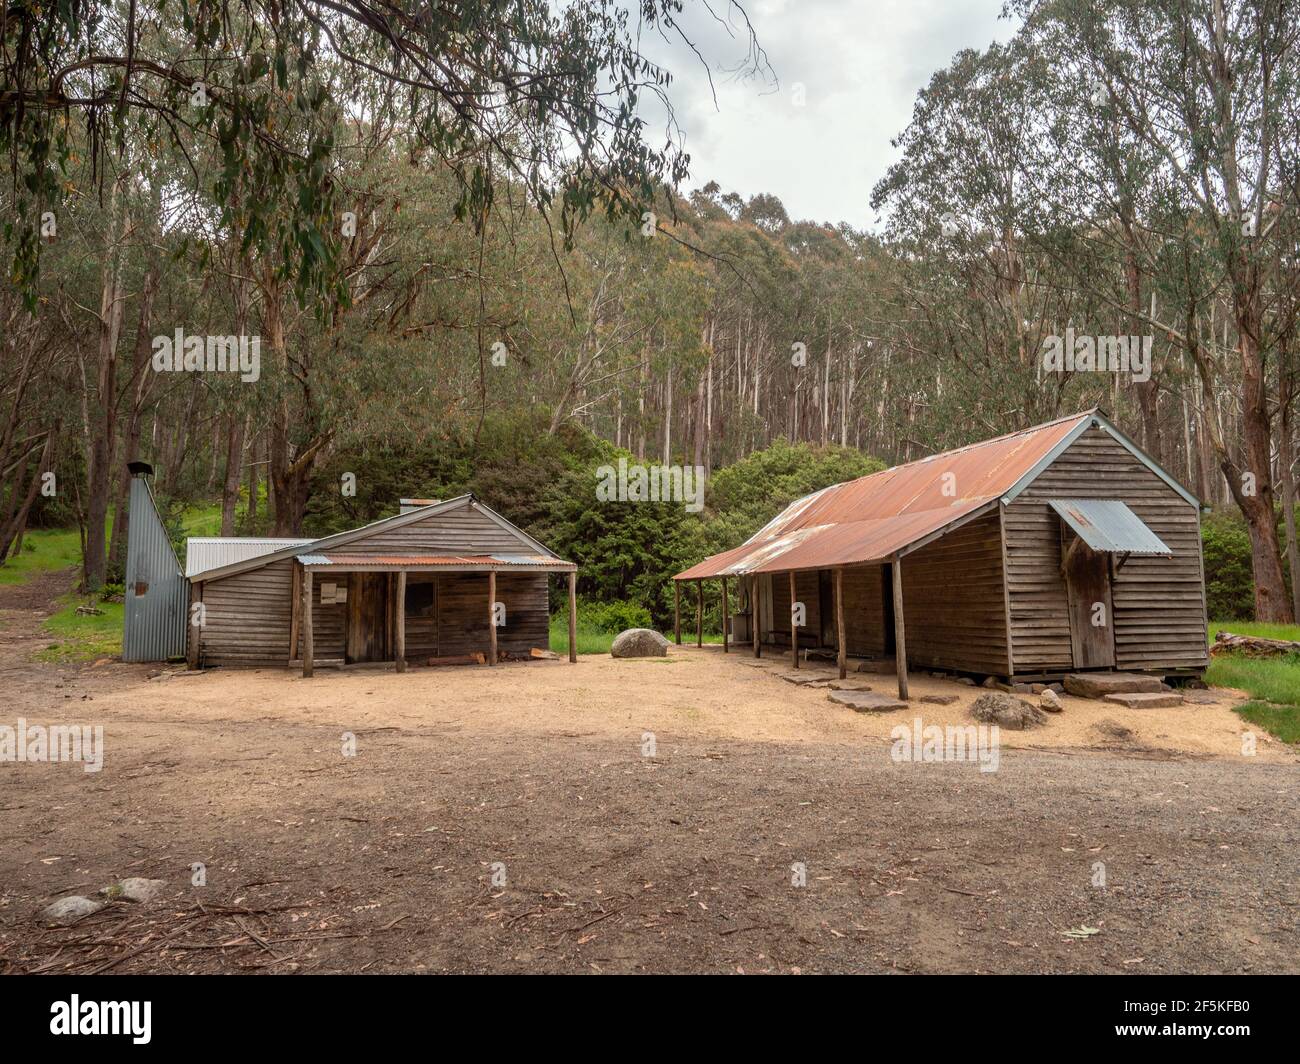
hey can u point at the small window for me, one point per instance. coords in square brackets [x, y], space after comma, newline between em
[419, 599]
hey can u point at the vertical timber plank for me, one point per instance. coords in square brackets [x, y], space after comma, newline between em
[725, 647]
[573, 616]
[308, 642]
[794, 628]
[400, 653]
[492, 617]
[841, 637]
[900, 639]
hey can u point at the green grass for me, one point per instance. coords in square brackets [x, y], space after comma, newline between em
[43, 550]
[593, 641]
[79, 638]
[1258, 628]
[1272, 683]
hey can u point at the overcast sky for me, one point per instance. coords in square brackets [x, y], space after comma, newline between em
[856, 65]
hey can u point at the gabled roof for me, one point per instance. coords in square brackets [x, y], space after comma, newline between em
[323, 545]
[900, 509]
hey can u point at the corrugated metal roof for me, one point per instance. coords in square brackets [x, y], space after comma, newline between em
[412, 561]
[1109, 525]
[383, 525]
[212, 552]
[874, 517]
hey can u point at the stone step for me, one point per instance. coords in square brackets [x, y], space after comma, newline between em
[1101, 684]
[866, 701]
[1146, 699]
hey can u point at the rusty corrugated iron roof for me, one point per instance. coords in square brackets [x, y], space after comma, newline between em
[874, 517]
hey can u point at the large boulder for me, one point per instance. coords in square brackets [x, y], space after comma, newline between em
[1006, 711]
[639, 643]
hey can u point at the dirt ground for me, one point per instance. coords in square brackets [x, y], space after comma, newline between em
[518, 819]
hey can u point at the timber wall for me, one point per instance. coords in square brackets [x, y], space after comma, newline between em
[1158, 603]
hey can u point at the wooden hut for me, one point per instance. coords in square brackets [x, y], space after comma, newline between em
[1058, 549]
[443, 582]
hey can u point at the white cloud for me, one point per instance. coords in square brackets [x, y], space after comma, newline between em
[859, 66]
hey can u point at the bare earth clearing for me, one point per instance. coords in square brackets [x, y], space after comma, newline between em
[615, 861]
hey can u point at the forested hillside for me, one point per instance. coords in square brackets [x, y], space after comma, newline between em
[466, 269]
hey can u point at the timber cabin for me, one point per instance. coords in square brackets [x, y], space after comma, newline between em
[441, 582]
[1057, 549]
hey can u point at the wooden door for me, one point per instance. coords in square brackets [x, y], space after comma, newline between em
[368, 617]
[1087, 580]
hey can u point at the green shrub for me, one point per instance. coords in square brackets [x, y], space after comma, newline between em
[615, 617]
[1229, 585]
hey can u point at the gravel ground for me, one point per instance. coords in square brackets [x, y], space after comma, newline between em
[454, 842]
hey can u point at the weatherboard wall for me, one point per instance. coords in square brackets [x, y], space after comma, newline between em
[1158, 603]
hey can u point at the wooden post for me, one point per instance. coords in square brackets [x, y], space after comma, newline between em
[400, 654]
[295, 612]
[308, 643]
[725, 648]
[900, 640]
[699, 613]
[753, 607]
[840, 635]
[794, 628]
[492, 617]
[573, 616]
[193, 633]
[677, 611]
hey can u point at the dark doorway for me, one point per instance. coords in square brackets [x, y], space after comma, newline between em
[826, 607]
[368, 617]
[887, 605]
[1087, 582]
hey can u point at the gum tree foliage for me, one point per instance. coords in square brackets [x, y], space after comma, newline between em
[545, 96]
[1123, 168]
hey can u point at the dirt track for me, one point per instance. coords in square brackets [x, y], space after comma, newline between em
[615, 861]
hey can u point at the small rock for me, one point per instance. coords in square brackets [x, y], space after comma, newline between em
[70, 909]
[1048, 702]
[990, 682]
[1057, 688]
[966, 680]
[639, 643]
[136, 889]
[1006, 712]
[939, 700]
[1110, 729]
[1037, 688]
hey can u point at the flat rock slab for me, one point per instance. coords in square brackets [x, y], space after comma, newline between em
[880, 668]
[849, 685]
[1200, 698]
[939, 700]
[1146, 699]
[803, 679]
[866, 701]
[1101, 684]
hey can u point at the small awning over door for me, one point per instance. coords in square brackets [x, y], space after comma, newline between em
[1110, 526]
